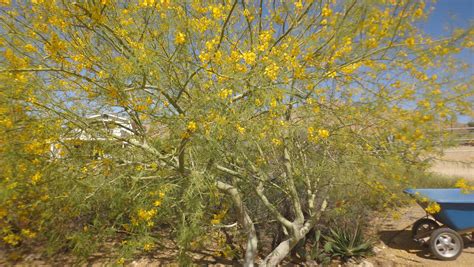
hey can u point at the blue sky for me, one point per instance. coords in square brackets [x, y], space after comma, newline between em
[448, 15]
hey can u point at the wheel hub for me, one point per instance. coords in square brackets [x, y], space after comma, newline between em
[447, 245]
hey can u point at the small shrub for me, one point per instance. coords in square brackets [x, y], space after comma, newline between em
[347, 243]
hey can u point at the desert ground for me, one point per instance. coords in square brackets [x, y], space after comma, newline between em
[396, 247]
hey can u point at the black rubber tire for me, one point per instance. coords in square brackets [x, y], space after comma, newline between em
[454, 236]
[423, 224]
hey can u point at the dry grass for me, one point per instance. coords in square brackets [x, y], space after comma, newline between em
[456, 162]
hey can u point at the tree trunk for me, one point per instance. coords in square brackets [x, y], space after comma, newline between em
[298, 233]
[252, 245]
[246, 221]
[279, 253]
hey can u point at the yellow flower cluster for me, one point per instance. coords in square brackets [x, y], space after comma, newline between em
[265, 37]
[277, 142]
[147, 3]
[323, 133]
[433, 208]
[225, 93]
[314, 135]
[299, 4]
[35, 178]
[248, 14]
[158, 202]
[180, 38]
[464, 186]
[249, 57]
[271, 71]
[326, 12]
[145, 216]
[147, 247]
[348, 69]
[12, 239]
[217, 11]
[217, 218]
[240, 129]
[28, 233]
[192, 126]
[410, 42]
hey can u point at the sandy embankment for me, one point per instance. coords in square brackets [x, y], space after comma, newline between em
[457, 162]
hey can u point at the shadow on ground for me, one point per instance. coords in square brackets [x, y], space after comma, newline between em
[402, 240]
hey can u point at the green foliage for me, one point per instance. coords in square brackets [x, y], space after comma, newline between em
[317, 252]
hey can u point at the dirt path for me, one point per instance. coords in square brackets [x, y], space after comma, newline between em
[398, 249]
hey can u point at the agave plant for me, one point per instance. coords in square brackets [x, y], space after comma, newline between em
[346, 243]
[317, 252]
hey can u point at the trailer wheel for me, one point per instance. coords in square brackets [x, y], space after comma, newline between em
[446, 244]
[423, 226]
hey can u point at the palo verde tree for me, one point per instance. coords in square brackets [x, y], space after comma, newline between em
[275, 103]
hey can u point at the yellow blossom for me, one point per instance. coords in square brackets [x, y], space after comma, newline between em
[180, 38]
[418, 12]
[410, 41]
[36, 177]
[28, 234]
[433, 208]
[277, 141]
[464, 186]
[30, 48]
[299, 4]
[224, 93]
[217, 11]
[331, 74]
[217, 218]
[192, 126]
[12, 239]
[146, 215]
[148, 247]
[271, 71]
[147, 3]
[371, 43]
[248, 14]
[249, 57]
[273, 103]
[326, 12]
[323, 133]
[240, 129]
